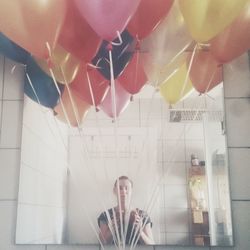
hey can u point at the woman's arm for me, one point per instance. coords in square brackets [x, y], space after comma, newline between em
[105, 234]
[146, 235]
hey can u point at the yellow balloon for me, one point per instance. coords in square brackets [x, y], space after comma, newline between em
[207, 18]
[160, 72]
[63, 64]
[176, 87]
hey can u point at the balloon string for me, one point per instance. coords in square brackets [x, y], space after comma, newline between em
[78, 123]
[91, 89]
[75, 110]
[120, 39]
[97, 120]
[88, 217]
[113, 99]
[60, 97]
[210, 81]
[136, 69]
[188, 71]
[66, 115]
[95, 66]
[180, 52]
[154, 194]
[33, 89]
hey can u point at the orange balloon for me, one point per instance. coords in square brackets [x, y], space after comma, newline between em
[205, 72]
[234, 40]
[33, 23]
[81, 108]
[63, 64]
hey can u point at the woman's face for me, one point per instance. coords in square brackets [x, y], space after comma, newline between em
[125, 191]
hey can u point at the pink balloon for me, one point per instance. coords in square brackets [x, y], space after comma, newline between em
[122, 99]
[109, 16]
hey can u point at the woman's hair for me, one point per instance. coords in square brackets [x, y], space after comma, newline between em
[123, 177]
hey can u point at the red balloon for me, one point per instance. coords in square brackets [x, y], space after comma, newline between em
[234, 40]
[133, 77]
[77, 36]
[81, 85]
[205, 72]
[122, 99]
[148, 16]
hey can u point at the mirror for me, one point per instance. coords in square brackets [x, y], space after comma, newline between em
[175, 156]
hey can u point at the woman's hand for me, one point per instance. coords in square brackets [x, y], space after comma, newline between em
[137, 221]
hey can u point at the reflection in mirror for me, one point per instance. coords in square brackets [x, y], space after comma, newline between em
[173, 160]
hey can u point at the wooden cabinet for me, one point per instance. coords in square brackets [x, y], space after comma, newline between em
[198, 202]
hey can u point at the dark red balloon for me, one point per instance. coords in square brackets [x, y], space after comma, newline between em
[77, 36]
[133, 77]
[99, 85]
[148, 16]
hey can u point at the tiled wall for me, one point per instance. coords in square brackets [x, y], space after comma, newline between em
[43, 177]
[237, 102]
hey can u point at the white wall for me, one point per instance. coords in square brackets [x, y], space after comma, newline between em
[42, 195]
[237, 101]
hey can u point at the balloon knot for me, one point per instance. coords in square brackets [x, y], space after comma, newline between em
[137, 45]
[131, 98]
[97, 109]
[109, 47]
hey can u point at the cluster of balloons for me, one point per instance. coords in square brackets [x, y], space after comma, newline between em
[75, 50]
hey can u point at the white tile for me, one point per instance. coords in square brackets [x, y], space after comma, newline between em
[1, 74]
[196, 102]
[7, 228]
[11, 124]
[237, 122]
[237, 77]
[9, 169]
[241, 219]
[196, 148]
[174, 151]
[239, 160]
[194, 131]
[177, 220]
[130, 113]
[38, 188]
[150, 109]
[175, 196]
[174, 131]
[13, 80]
[175, 173]
[178, 239]
[39, 225]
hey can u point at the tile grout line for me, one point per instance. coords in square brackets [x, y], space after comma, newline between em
[1, 117]
[3, 148]
[232, 98]
[241, 200]
[240, 147]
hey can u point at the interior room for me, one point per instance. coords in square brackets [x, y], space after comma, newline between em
[181, 147]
